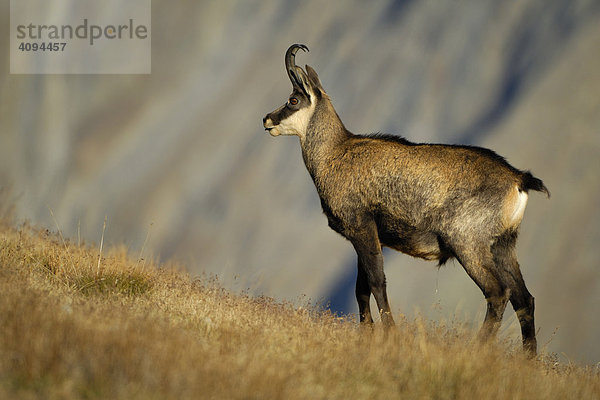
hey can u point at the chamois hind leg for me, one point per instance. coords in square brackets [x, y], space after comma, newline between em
[520, 298]
[479, 265]
[370, 262]
[363, 294]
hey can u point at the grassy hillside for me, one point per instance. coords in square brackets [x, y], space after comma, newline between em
[77, 325]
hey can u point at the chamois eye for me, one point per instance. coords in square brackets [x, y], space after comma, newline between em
[293, 101]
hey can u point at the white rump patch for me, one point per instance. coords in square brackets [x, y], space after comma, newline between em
[517, 208]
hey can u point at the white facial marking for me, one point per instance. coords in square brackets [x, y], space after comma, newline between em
[273, 130]
[297, 123]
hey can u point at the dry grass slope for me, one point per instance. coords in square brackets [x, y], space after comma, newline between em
[71, 329]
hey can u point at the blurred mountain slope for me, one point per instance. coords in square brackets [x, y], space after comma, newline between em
[180, 155]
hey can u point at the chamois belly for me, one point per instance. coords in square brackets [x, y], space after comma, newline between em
[413, 241]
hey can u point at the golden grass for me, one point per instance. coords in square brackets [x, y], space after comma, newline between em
[71, 329]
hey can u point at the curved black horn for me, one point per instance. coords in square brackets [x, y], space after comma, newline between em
[290, 62]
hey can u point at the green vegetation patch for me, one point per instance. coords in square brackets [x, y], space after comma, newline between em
[111, 283]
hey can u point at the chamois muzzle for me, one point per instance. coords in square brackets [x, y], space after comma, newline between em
[290, 64]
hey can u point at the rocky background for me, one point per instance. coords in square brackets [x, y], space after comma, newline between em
[178, 162]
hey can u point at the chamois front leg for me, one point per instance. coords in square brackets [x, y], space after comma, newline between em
[370, 266]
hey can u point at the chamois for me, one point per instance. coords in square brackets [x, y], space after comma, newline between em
[432, 201]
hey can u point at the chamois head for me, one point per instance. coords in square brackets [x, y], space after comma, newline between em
[294, 116]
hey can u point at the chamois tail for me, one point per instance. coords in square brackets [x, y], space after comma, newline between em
[530, 182]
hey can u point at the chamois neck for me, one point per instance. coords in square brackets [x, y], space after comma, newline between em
[324, 136]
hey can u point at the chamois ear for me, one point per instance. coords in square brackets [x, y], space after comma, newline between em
[313, 77]
[299, 79]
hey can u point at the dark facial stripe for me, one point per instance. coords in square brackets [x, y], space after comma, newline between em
[285, 111]
[278, 116]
